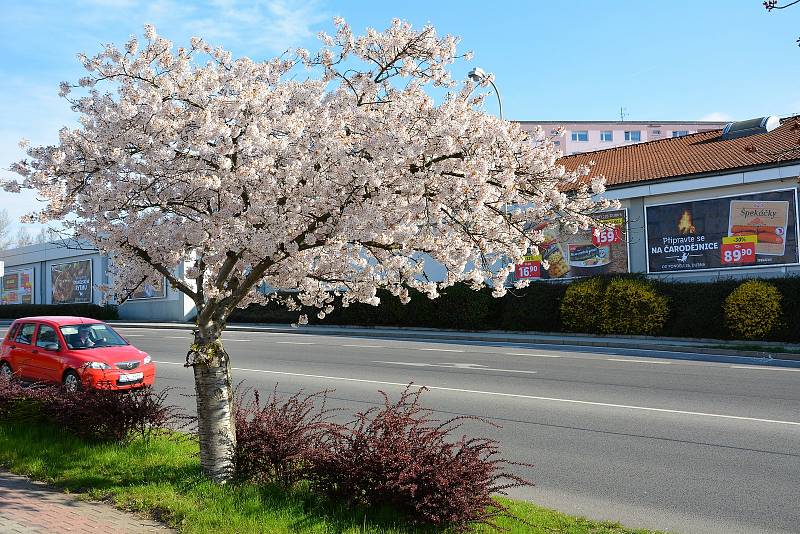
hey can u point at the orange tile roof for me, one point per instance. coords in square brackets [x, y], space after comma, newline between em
[694, 154]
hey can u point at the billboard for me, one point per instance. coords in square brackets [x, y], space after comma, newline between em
[147, 290]
[753, 230]
[71, 283]
[589, 252]
[17, 287]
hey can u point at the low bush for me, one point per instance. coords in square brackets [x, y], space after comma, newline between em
[279, 440]
[632, 307]
[463, 308]
[94, 414]
[534, 308]
[397, 457]
[789, 327]
[753, 310]
[16, 401]
[93, 311]
[695, 309]
[580, 307]
[107, 415]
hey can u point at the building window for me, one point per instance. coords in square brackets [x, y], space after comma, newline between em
[656, 132]
[679, 133]
[633, 135]
[557, 143]
[580, 135]
[606, 135]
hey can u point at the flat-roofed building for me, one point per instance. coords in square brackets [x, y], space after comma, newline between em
[588, 136]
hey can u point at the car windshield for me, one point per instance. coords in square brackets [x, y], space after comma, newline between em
[91, 336]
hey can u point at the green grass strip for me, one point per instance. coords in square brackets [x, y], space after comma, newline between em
[161, 478]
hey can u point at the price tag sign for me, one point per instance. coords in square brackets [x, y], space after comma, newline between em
[531, 267]
[739, 250]
[606, 236]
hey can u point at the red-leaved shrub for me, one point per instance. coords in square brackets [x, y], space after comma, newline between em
[95, 414]
[279, 440]
[107, 415]
[16, 401]
[396, 456]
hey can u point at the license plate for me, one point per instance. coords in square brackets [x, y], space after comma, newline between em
[133, 377]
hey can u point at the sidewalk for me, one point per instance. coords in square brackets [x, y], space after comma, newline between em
[31, 507]
[711, 347]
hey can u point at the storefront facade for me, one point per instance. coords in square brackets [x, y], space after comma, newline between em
[696, 208]
[68, 273]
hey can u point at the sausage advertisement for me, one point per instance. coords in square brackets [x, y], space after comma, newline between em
[753, 230]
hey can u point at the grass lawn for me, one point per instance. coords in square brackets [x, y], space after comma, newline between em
[162, 479]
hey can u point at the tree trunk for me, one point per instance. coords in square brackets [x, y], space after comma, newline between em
[214, 393]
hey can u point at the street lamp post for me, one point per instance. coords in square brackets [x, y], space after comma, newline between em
[478, 75]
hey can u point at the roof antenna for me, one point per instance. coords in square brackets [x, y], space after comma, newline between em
[622, 114]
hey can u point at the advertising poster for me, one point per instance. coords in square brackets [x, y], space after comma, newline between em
[531, 267]
[26, 287]
[156, 290]
[71, 283]
[17, 287]
[600, 250]
[748, 230]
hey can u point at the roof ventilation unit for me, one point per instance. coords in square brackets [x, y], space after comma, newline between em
[750, 127]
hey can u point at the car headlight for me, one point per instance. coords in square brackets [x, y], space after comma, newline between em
[97, 365]
[147, 359]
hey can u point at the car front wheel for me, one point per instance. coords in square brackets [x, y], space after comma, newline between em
[72, 382]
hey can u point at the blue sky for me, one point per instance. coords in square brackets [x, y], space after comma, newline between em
[577, 60]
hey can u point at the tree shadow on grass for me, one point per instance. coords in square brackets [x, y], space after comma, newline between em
[46, 452]
[320, 512]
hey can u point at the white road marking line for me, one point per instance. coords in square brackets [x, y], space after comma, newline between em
[444, 350]
[519, 396]
[296, 342]
[464, 366]
[134, 335]
[637, 361]
[365, 346]
[537, 355]
[189, 331]
[764, 368]
[177, 337]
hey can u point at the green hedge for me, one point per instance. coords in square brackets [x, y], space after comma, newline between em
[694, 309]
[102, 313]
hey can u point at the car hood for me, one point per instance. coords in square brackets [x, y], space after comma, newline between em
[111, 355]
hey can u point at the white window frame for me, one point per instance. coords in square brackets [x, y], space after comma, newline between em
[629, 135]
[576, 134]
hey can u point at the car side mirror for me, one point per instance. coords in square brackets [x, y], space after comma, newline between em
[50, 346]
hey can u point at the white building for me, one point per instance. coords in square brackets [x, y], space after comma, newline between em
[588, 136]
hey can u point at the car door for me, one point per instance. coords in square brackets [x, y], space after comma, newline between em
[46, 353]
[21, 351]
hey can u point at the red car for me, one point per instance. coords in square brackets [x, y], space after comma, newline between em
[73, 351]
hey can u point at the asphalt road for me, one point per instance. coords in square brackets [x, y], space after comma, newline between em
[683, 446]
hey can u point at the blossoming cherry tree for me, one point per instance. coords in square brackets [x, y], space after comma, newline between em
[334, 174]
